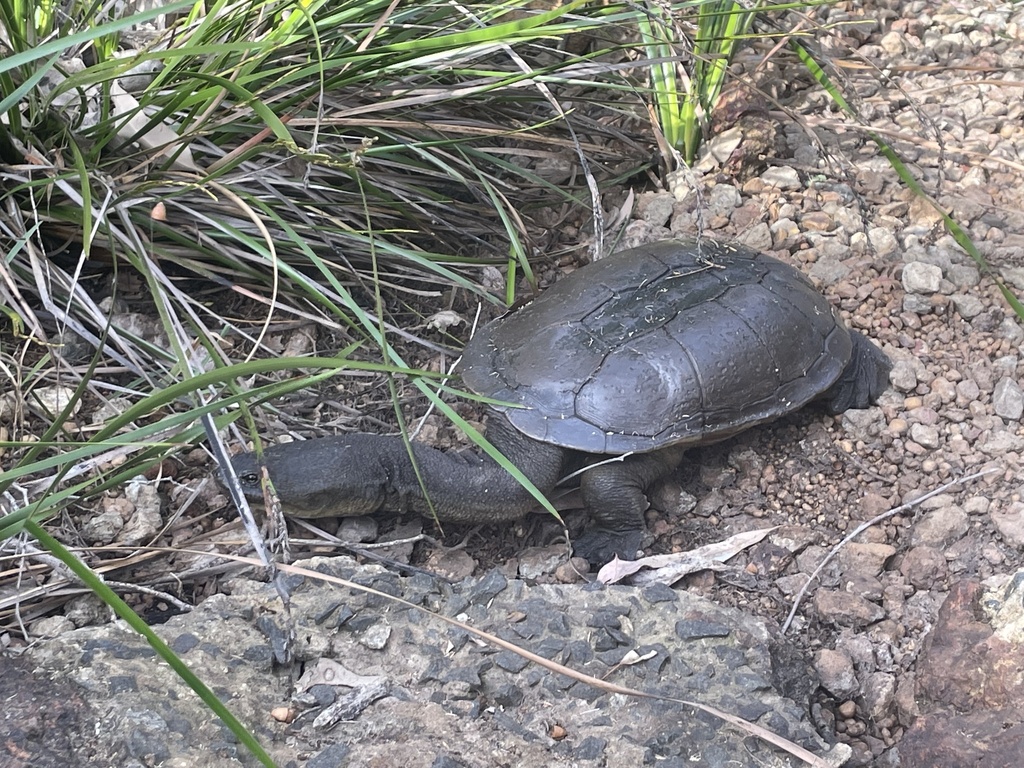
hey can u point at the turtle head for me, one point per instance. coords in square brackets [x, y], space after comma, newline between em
[338, 476]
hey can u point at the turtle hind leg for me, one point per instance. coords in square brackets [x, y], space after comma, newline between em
[601, 545]
[614, 493]
[865, 377]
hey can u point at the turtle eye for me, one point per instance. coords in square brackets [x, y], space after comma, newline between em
[249, 478]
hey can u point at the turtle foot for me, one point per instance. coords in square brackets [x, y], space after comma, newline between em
[600, 545]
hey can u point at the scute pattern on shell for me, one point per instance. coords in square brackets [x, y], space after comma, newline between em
[670, 343]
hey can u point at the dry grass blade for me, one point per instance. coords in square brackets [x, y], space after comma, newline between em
[314, 142]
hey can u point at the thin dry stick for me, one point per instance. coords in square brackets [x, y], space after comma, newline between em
[864, 526]
[28, 551]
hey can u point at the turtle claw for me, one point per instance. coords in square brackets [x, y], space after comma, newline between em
[600, 545]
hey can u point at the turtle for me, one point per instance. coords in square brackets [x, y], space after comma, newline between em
[635, 357]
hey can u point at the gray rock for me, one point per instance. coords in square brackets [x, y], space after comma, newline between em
[145, 520]
[536, 562]
[454, 564]
[829, 270]
[728, 660]
[835, 668]
[850, 221]
[922, 278]
[51, 626]
[977, 505]
[722, 199]
[1014, 276]
[829, 246]
[52, 400]
[782, 177]
[924, 435]
[87, 610]
[1005, 365]
[878, 691]
[140, 76]
[1011, 330]
[792, 584]
[903, 376]
[1008, 518]
[862, 585]
[591, 748]
[968, 305]
[785, 233]
[917, 304]
[967, 391]
[758, 237]
[104, 527]
[963, 276]
[859, 647]
[487, 587]
[656, 207]
[869, 557]
[863, 424]
[358, 529]
[695, 629]
[1000, 443]
[940, 527]
[892, 43]
[845, 609]
[883, 241]
[1008, 399]
[944, 389]
[330, 757]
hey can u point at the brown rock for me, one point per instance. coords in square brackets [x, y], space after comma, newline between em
[817, 221]
[964, 665]
[925, 568]
[1009, 521]
[984, 739]
[846, 609]
[865, 586]
[572, 572]
[865, 558]
[453, 564]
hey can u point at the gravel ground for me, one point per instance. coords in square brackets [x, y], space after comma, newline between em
[913, 634]
[953, 106]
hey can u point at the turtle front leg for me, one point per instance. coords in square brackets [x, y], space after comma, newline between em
[615, 494]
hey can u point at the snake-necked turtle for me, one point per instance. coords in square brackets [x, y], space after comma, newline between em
[639, 355]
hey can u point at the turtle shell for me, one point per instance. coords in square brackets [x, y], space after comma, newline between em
[673, 343]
